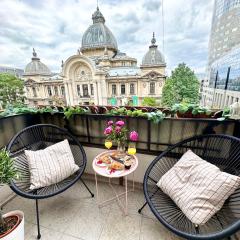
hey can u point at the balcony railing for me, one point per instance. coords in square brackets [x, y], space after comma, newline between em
[89, 128]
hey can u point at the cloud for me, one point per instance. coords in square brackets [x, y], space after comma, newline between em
[55, 30]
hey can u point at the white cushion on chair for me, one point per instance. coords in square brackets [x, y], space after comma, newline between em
[197, 187]
[50, 165]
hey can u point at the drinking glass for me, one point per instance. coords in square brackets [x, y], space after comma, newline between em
[132, 148]
[108, 144]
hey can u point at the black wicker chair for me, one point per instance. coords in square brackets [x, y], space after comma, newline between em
[221, 150]
[39, 137]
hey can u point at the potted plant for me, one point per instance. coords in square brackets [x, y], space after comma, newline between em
[12, 223]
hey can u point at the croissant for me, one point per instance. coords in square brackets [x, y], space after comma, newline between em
[117, 166]
[106, 159]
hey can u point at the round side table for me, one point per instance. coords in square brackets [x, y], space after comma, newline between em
[102, 172]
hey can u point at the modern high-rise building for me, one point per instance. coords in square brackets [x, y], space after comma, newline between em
[222, 84]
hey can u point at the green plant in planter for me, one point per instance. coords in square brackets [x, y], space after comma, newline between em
[69, 112]
[48, 109]
[180, 107]
[201, 110]
[191, 108]
[225, 114]
[156, 117]
[7, 173]
[18, 109]
[118, 112]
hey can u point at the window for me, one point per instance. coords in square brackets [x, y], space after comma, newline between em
[152, 88]
[35, 103]
[49, 89]
[85, 90]
[50, 102]
[114, 89]
[56, 90]
[62, 91]
[34, 92]
[132, 90]
[78, 90]
[122, 88]
[91, 89]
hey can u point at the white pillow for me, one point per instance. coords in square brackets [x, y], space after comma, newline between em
[50, 165]
[197, 187]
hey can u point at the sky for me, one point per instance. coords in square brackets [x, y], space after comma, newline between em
[55, 28]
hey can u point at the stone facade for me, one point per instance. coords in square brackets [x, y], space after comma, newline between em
[98, 74]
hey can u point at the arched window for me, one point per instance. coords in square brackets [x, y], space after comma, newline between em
[132, 90]
[56, 90]
[49, 89]
[85, 90]
[114, 89]
[91, 88]
[152, 88]
[78, 90]
[34, 92]
[123, 90]
[62, 91]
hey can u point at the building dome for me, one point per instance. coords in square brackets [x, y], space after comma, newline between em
[153, 56]
[36, 67]
[98, 35]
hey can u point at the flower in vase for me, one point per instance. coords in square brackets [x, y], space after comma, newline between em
[110, 123]
[108, 130]
[133, 136]
[118, 129]
[120, 123]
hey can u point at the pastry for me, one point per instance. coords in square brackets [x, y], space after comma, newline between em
[117, 166]
[105, 159]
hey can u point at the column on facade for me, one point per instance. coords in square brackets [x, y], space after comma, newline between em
[99, 89]
[95, 92]
[68, 94]
[104, 90]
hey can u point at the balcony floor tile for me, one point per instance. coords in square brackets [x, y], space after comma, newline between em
[74, 215]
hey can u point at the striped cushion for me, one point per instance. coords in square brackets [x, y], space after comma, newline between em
[50, 165]
[197, 187]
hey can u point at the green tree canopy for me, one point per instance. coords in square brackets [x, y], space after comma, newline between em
[11, 89]
[149, 101]
[181, 86]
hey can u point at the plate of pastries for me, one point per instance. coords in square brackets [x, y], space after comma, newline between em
[114, 165]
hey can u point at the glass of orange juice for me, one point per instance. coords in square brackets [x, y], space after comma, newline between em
[108, 144]
[132, 148]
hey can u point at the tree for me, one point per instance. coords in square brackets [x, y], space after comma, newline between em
[11, 89]
[149, 101]
[182, 86]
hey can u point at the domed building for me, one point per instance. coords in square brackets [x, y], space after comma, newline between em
[99, 73]
[42, 87]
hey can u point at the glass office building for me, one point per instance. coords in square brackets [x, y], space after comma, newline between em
[222, 86]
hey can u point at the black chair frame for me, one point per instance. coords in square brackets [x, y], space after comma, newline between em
[221, 150]
[38, 137]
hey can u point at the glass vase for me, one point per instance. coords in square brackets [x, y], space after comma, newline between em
[121, 148]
